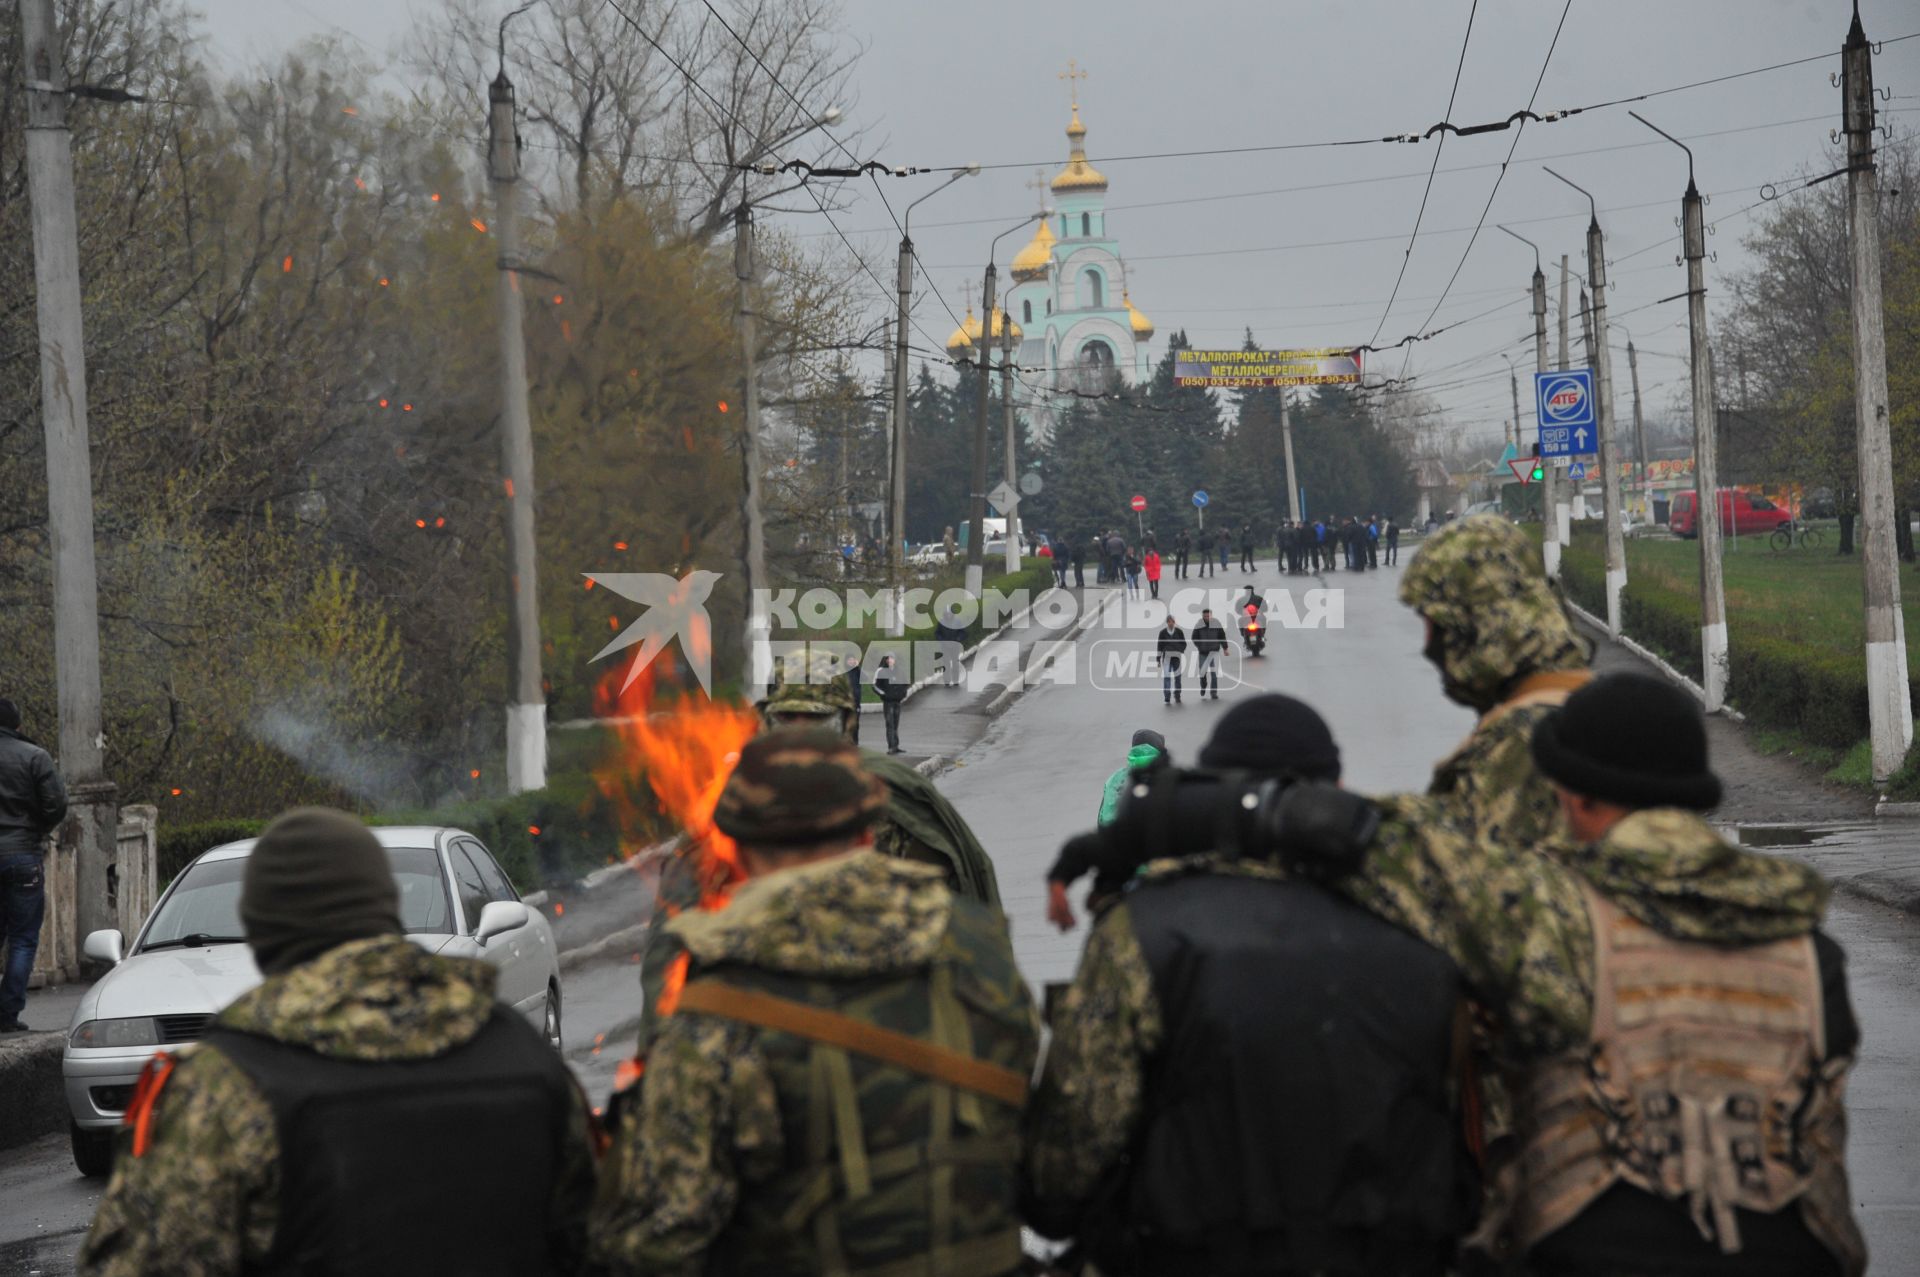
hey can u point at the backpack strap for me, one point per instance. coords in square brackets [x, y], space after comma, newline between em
[903, 1051]
[146, 1093]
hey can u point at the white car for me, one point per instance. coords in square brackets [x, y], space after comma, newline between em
[190, 960]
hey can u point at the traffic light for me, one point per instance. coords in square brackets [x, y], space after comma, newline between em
[1539, 473]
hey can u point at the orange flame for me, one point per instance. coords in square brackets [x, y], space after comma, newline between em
[681, 750]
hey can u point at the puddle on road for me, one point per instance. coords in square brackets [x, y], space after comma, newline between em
[1776, 836]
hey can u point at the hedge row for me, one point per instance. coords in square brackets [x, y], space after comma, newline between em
[1817, 693]
[576, 832]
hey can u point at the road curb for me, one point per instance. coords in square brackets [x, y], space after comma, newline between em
[33, 1098]
[1652, 658]
[1003, 702]
[913, 688]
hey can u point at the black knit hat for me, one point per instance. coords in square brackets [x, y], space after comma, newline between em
[1273, 733]
[316, 879]
[1629, 739]
[9, 715]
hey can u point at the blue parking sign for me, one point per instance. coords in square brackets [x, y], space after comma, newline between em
[1564, 405]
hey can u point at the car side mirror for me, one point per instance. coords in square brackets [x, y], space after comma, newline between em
[498, 918]
[107, 946]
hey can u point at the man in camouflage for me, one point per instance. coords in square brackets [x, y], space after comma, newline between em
[839, 1087]
[1675, 1029]
[1506, 650]
[368, 1108]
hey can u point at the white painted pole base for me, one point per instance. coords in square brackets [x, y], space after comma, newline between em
[1713, 666]
[976, 576]
[526, 748]
[1616, 585]
[1888, 708]
[1563, 523]
[893, 612]
[1550, 553]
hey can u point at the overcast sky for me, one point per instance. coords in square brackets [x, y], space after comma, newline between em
[1304, 246]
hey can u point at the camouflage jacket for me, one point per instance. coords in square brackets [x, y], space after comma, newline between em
[204, 1199]
[1514, 919]
[1496, 622]
[717, 1127]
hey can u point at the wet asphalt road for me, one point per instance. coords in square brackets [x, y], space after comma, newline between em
[1036, 778]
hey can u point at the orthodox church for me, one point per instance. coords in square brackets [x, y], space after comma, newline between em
[1075, 327]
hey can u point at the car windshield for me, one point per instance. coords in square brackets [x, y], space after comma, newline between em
[204, 908]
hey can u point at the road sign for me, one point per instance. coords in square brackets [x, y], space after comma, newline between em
[1564, 404]
[1522, 468]
[1578, 470]
[1199, 499]
[1003, 497]
[1138, 503]
[1030, 484]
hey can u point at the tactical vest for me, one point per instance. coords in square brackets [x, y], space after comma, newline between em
[1301, 1115]
[1705, 1081]
[412, 1166]
[900, 1096]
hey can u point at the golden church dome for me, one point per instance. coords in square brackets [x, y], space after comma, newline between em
[1079, 175]
[1142, 326]
[1036, 259]
[960, 344]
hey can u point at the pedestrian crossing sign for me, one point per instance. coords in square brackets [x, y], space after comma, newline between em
[1578, 470]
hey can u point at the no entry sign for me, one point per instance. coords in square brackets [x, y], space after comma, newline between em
[1138, 503]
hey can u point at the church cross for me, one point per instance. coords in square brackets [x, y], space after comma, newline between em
[1039, 187]
[1073, 75]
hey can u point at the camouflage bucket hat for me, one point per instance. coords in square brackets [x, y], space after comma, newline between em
[796, 786]
[822, 691]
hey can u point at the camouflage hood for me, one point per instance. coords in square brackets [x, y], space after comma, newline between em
[1668, 869]
[859, 914]
[378, 999]
[1494, 615]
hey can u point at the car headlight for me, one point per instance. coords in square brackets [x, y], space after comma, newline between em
[110, 1033]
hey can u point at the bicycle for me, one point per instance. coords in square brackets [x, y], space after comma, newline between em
[1787, 533]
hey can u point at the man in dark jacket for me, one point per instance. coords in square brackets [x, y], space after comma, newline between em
[1209, 641]
[892, 690]
[1079, 550]
[1203, 549]
[1249, 1076]
[32, 803]
[370, 1108]
[1246, 547]
[1182, 547]
[1170, 645]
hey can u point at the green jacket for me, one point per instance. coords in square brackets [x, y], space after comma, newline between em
[1139, 757]
[204, 1199]
[748, 1154]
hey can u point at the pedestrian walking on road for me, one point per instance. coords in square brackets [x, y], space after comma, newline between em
[1057, 559]
[849, 986]
[1203, 550]
[1373, 541]
[1237, 1049]
[1392, 538]
[853, 673]
[1209, 641]
[369, 1108]
[1246, 547]
[1116, 556]
[1223, 541]
[1322, 547]
[1170, 645]
[1151, 566]
[1079, 563]
[33, 802]
[1130, 566]
[892, 690]
[1182, 547]
[950, 632]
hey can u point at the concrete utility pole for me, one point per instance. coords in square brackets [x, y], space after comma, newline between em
[977, 497]
[1601, 358]
[90, 835]
[1639, 433]
[1549, 548]
[1006, 403]
[758, 628]
[1286, 444]
[527, 700]
[1514, 378]
[896, 612]
[1563, 492]
[1889, 710]
[1706, 467]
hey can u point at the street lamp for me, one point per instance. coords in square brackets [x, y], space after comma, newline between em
[897, 504]
[1549, 512]
[983, 354]
[1006, 398]
[1514, 378]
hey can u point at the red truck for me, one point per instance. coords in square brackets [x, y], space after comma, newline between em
[1741, 514]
